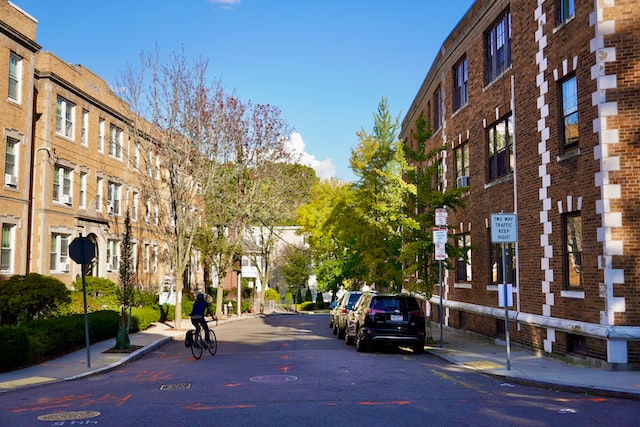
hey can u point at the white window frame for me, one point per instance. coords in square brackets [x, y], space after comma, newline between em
[114, 193]
[134, 256]
[15, 78]
[11, 162]
[84, 138]
[65, 114]
[99, 184]
[101, 136]
[63, 191]
[83, 190]
[135, 206]
[147, 256]
[115, 141]
[7, 244]
[59, 253]
[113, 255]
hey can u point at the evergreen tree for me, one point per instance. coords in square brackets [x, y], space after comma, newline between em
[126, 288]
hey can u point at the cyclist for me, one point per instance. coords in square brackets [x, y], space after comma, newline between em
[201, 308]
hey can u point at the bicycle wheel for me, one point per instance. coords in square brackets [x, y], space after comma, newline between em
[213, 342]
[198, 344]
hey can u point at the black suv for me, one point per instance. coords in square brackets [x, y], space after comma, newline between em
[386, 319]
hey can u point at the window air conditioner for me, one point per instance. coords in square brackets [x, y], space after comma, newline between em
[64, 266]
[110, 209]
[109, 267]
[66, 199]
[462, 181]
[10, 179]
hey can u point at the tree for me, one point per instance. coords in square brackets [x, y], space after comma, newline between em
[418, 252]
[176, 127]
[126, 289]
[296, 268]
[378, 212]
[24, 298]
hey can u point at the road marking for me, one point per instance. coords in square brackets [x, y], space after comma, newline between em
[69, 416]
[25, 381]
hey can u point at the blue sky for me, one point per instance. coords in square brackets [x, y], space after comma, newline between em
[326, 64]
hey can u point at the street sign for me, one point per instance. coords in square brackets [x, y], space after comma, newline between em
[441, 216]
[82, 250]
[440, 242]
[504, 228]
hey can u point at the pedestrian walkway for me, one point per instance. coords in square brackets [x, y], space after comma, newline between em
[464, 349]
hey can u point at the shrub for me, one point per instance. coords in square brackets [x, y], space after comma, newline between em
[272, 294]
[23, 298]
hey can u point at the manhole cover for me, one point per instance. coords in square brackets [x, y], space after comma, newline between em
[69, 416]
[273, 379]
[175, 386]
[483, 364]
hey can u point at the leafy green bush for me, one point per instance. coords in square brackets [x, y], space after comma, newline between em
[23, 298]
[272, 294]
[14, 345]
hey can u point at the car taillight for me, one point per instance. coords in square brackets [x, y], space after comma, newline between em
[344, 310]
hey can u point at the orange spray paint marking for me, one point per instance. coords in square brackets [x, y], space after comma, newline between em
[285, 369]
[233, 385]
[395, 402]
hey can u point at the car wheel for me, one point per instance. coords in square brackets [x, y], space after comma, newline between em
[347, 339]
[418, 348]
[340, 332]
[335, 329]
[360, 345]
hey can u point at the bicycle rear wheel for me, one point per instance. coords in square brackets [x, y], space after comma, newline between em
[198, 344]
[213, 342]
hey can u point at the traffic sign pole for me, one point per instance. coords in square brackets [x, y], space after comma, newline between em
[82, 250]
[440, 242]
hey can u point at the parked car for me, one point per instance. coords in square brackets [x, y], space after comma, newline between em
[346, 302]
[395, 319]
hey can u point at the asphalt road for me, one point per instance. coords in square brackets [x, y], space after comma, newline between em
[289, 370]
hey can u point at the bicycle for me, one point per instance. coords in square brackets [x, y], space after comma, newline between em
[200, 343]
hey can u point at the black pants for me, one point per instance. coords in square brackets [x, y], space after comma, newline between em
[203, 323]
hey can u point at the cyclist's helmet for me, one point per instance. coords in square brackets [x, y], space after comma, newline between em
[200, 295]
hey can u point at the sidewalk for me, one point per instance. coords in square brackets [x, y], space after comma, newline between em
[466, 350]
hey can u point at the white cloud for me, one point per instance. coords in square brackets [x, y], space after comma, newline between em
[324, 168]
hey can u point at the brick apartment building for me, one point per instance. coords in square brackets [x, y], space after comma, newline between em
[71, 167]
[537, 103]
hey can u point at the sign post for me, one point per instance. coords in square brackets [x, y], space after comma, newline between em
[82, 250]
[440, 243]
[504, 229]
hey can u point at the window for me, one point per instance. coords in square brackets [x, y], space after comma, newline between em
[154, 260]
[135, 206]
[498, 48]
[83, 190]
[115, 142]
[8, 242]
[99, 195]
[10, 162]
[147, 254]
[460, 77]
[113, 198]
[500, 148]
[62, 185]
[572, 230]
[134, 256]
[436, 110]
[439, 176]
[463, 263]
[65, 112]
[496, 263]
[147, 212]
[101, 136]
[15, 77]
[136, 156]
[461, 154]
[565, 10]
[85, 128]
[59, 257]
[569, 107]
[113, 255]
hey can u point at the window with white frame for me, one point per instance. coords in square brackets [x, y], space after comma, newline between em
[113, 198]
[115, 142]
[154, 260]
[136, 156]
[147, 213]
[65, 113]
[62, 185]
[15, 77]
[461, 154]
[460, 77]
[134, 256]
[101, 136]
[11, 162]
[463, 262]
[85, 128]
[565, 10]
[498, 47]
[500, 148]
[59, 255]
[147, 256]
[83, 190]
[99, 182]
[6, 252]
[113, 255]
[135, 206]
[155, 213]
[569, 109]
[572, 233]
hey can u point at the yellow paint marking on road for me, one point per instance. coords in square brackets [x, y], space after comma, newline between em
[25, 381]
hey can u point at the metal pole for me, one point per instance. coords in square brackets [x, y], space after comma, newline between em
[506, 304]
[441, 322]
[86, 317]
